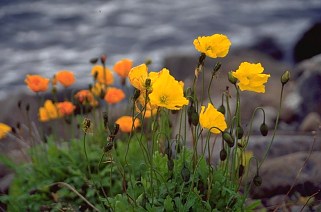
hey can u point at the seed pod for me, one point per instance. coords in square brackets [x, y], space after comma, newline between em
[116, 129]
[228, 138]
[185, 173]
[231, 78]
[223, 154]
[240, 132]
[285, 77]
[257, 180]
[264, 129]
[221, 109]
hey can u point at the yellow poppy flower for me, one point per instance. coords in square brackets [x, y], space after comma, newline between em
[145, 107]
[138, 76]
[210, 118]
[213, 46]
[37, 83]
[103, 75]
[126, 123]
[48, 111]
[4, 130]
[167, 92]
[97, 89]
[250, 77]
[66, 78]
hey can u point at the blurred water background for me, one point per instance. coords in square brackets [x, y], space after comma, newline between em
[43, 37]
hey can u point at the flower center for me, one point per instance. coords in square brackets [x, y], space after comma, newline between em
[163, 99]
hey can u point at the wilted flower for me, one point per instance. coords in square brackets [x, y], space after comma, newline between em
[114, 95]
[167, 92]
[86, 97]
[66, 78]
[65, 108]
[103, 75]
[212, 119]
[213, 46]
[138, 76]
[4, 130]
[250, 77]
[37, 83]
[126, 123]
[49, 111]
[123, 67]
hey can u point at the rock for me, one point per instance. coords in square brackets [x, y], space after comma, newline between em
[282, 144]
[268, 46]
[306, 94]
[309, 44]
[279, 174]
[311, 122]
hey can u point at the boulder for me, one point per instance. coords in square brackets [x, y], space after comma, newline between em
[309, 44]
[292, 170]
[269, 46]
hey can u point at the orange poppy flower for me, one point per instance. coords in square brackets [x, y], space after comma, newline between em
[102, 75]
[86, 97]
[65, 108]
[126, 123]
[114, 95]
[66, 78]
[37, 83]
[123, 67]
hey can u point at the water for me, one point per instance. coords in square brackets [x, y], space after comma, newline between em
[46, 36]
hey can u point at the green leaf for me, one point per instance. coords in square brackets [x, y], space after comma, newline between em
[168, 204]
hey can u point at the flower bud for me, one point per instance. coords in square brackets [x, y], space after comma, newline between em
[257, 180]
[231, 78]
[93, 60]
[228, 138]
[27, 107]
[285, 77]
[19, 104]
[136, 94]
[148, 83]
[116, 129]
[185, 173]
[216, 68]
[240, 132]
[193, 117]
[223, 154]
[103, 59]
[241, 170]
[54, 90]
[109, 146]
[221, 109]
[264, 129]
[148, 62]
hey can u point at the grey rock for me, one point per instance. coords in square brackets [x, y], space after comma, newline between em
[311, 122]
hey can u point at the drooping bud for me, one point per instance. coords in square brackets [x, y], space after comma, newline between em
[285, 77]
[223, 154]
[231, 78]
[216, 68]
[240, 132]
[170, 165]
[264, 129]
[221, 109]
[257, 180]
[193, 117]
[148, 62]
[185, 173]
[228, 138]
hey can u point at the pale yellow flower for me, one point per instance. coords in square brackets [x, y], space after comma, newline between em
[138, 76]
[49, 111]
[212, 119]
[213, 46]
[167, 92]
[250, 77]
